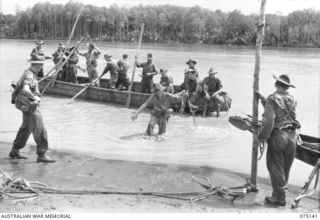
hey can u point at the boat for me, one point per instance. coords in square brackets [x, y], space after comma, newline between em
[308, 148]
[103, 94]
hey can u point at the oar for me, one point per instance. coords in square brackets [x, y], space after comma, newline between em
[82, 90]
[70, 54]
[134, 68]
[71, 35]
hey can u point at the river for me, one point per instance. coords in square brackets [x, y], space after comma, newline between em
[105, 130]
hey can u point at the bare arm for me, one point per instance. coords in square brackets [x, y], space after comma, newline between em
[141, 108]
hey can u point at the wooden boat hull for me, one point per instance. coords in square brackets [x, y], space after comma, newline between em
[109, 95]
[100, 94]
[309, 150]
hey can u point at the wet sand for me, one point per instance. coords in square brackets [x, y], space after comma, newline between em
[82, 172]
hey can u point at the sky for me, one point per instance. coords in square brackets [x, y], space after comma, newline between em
[245, 6]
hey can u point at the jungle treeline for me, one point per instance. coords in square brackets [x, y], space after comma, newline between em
[165, 23]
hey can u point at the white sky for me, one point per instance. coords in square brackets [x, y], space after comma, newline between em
[245, 6]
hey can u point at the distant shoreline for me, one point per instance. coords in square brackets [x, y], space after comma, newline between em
[306, 46]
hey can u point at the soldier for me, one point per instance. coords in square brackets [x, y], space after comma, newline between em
[113, 68]
[279, 130]
[212, 86]
[37, 53]
[57, 55]
[123, 79]
[27, 100]
[160, 102]
[166, 81]
[191, 83]
[91, 63]
[148, 71]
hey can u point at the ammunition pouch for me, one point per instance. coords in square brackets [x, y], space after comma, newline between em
[25, 104]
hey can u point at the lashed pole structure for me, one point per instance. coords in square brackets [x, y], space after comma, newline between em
[255, 112]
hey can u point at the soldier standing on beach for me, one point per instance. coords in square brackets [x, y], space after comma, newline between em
[27, 100]
[148, 71]
[279, 130]
[37, 53]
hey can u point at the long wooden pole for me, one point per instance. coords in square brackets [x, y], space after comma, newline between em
[255, 142]
[134, 67]
[64, 62]
[71, 35]
[68, 42]
[85, 88]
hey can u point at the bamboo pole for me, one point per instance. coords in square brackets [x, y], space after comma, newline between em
[84, 89]
[68, 42]
[134, 68]
[255, 142]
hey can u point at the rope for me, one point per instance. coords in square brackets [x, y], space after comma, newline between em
[9, 186]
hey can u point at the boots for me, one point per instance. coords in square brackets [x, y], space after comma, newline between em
[278, 201]
[42, 158]
[15, 154]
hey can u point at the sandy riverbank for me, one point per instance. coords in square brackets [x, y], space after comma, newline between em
[81, 172]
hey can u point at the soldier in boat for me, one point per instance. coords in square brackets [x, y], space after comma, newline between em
[160, 102]
[26, 98]
[37, 53]
[113, 68]
[148, 71]
[71, 67]
[166, 81]
[90, 60]
[279, 130]
[191, 83]
[123, 80]
[57, 55]
[212, 87]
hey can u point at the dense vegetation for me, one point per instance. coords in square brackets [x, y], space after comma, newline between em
[162, 24]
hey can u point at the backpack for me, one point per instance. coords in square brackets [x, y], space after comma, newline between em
[15, 92]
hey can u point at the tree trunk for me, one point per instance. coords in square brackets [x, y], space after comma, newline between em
[255, 142]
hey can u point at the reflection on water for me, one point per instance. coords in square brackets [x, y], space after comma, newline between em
[106, 131]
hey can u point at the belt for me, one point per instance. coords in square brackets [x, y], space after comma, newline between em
[289, 128]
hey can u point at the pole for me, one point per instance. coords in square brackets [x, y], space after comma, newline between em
[255, 142]
[50, 82]
[85, 88]
[134, 67]
[71, 35]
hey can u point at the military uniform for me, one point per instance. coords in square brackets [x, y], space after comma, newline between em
[160, 111]
[279, 129]
[122, 72]
[147, 81]
[113, 68]
[35, 54]
[32, 122]
[212, 85]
